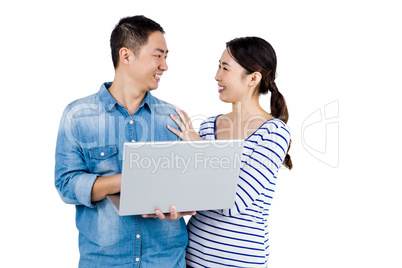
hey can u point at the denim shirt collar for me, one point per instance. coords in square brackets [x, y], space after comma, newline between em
[109, 102]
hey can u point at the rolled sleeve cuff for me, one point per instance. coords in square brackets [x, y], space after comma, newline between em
[83, 189]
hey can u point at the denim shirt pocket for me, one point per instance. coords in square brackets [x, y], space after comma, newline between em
[104, 160]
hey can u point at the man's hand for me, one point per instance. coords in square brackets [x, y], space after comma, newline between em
[172, 216]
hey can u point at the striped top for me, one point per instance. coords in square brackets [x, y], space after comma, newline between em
[238, 237]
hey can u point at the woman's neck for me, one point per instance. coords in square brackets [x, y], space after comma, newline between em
[247, 110]
[244, 120]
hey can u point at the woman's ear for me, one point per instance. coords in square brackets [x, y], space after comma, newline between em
[255, 79]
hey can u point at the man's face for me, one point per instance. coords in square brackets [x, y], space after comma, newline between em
[150, 63]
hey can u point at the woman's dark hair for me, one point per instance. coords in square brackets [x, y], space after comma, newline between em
[132, 33]
[255, 54]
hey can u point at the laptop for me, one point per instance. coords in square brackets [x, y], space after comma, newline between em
[191, 175]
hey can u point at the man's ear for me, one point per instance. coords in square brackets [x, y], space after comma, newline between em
[255, 79]
[124, 55]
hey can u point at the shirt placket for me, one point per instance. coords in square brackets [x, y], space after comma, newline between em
[131, 130]
[137, 241]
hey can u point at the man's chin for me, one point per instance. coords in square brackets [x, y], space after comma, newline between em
[153, 88]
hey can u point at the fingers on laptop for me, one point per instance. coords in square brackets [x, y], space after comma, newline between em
[172, 216]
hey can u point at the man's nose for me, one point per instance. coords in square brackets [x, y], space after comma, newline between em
[163, 66]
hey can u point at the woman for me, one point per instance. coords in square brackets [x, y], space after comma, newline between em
[238, 237]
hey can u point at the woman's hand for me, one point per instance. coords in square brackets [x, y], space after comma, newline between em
[187, 132]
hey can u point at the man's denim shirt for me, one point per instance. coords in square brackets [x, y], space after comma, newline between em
[90, 144]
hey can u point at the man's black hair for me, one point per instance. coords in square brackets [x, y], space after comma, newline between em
[132, 33]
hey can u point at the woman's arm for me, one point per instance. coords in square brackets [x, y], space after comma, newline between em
[260, 164]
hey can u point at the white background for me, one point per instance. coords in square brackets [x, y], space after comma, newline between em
[341, 204]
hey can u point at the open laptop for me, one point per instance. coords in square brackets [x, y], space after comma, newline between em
[191, 175]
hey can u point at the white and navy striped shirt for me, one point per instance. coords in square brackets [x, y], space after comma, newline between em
[238, 237]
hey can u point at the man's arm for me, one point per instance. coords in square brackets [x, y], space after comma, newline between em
[104, 186]
[75, 184]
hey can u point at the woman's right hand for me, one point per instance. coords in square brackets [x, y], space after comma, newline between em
[186, 132]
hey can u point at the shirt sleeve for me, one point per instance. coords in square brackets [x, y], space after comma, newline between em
[262, 158]
[207, 128]
[72, 179]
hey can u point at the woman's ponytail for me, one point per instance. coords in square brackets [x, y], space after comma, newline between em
[278, 104]
[288, 161]
[280, 110]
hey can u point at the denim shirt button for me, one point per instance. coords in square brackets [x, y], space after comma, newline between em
[138, 236]
[102, 153]
[137, 259]
[131, 122]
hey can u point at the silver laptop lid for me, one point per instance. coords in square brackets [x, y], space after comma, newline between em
[192, 175]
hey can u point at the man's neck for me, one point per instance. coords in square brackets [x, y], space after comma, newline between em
[127, 94]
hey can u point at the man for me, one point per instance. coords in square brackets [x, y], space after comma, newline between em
[89, 155]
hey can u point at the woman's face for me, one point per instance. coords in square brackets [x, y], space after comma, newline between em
[231, 77]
